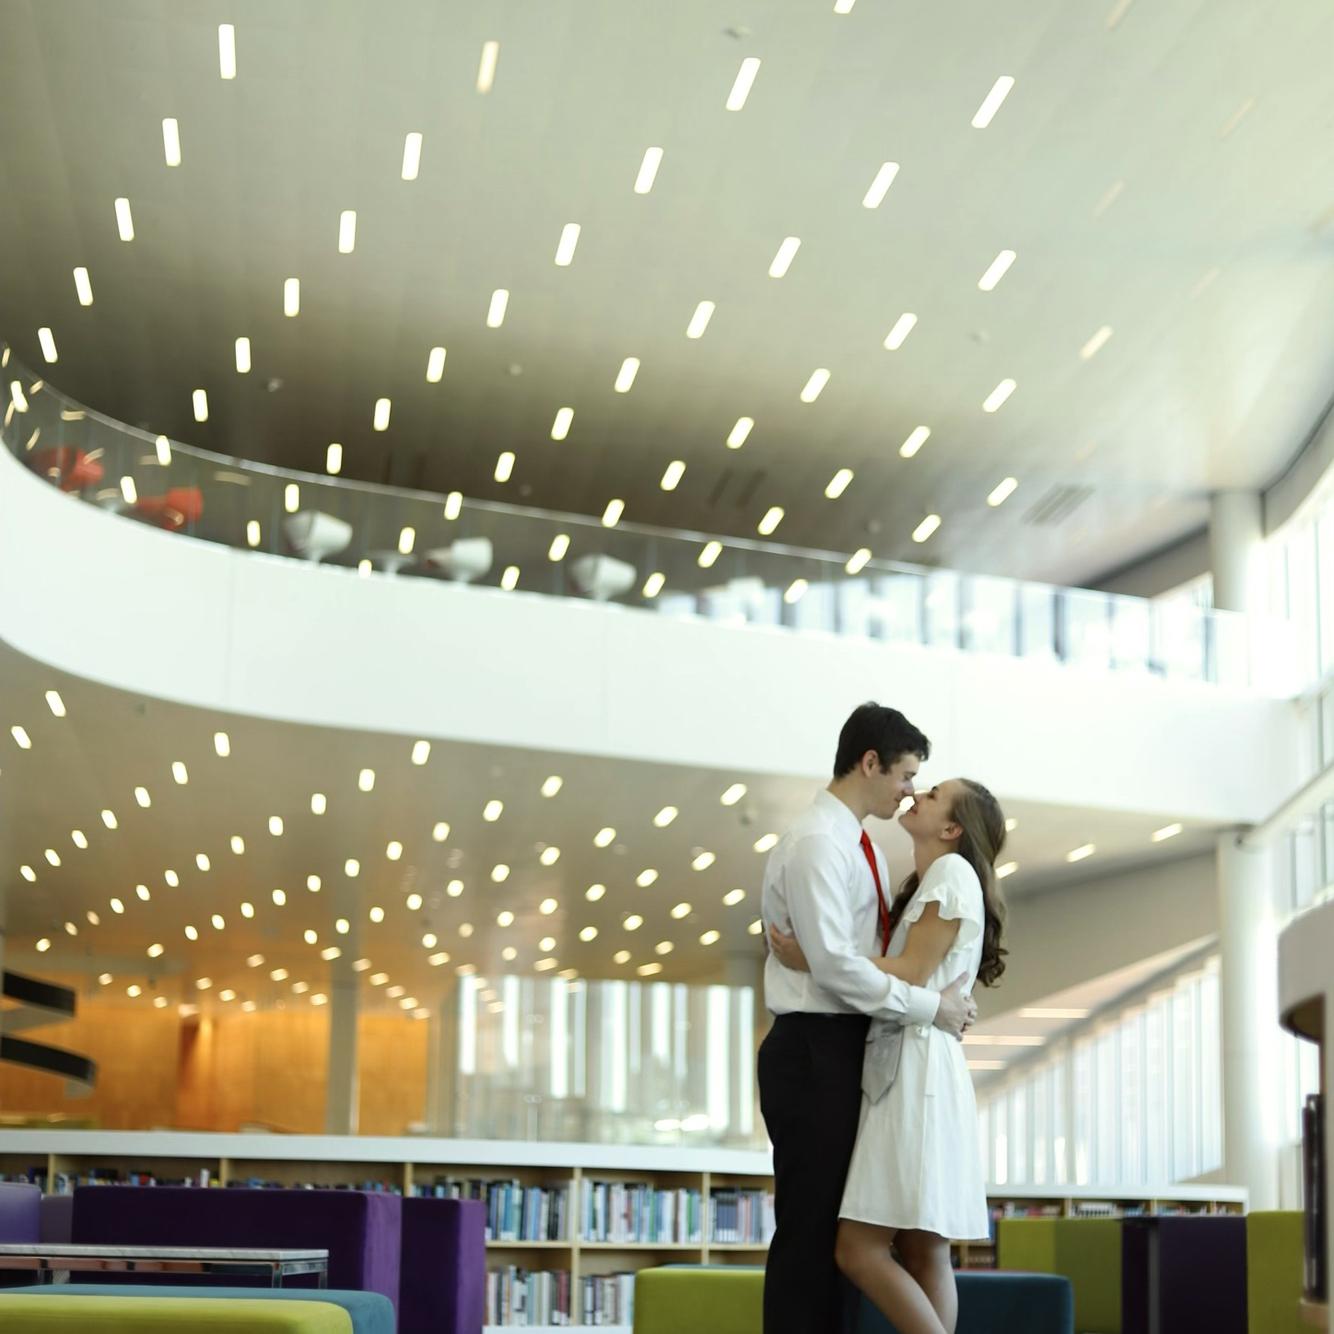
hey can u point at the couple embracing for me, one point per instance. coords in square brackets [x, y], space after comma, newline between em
[863, 1084]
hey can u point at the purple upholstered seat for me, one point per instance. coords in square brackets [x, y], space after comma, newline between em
[20, 1210]
[443, 1283]
[1184, 1272]
[57, 1217]
[360, 1229]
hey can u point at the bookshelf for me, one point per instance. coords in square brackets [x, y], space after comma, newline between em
[1306, 1008]
[713, 1193]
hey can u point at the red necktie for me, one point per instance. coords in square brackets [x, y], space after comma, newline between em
[880, 893]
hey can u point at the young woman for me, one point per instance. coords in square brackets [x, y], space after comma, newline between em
[916, 1177]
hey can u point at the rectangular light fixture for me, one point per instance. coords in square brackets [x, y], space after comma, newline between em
[843, 6]
[884, 178]
[412, 155]
[243, 356]
[406, 541]
[1052, 1012]
[453, 505]
[124, 220]
[129, 491]
[227, 50]
[991, 104]
[495, 315]
[1002, 492]
[625, 377]
[171, 141]
[509, 581]
[55, 703]
[838, 483]
[1166, 832]
[611, 516]
[699, 321]
[996, 270]
[504, 466]
[773, 516]
[745, 80]
[380, 417]
[83, 286]
[709, 553]
[252, 534]
[795, 591]
[291, 497]
[47, 340]
[815, 385]
[737, 436]
[291, 297]
[199, 401]
[857, 561]
[1081, 853]
[565, 247]
[782, 260]
[347, 231]
[560, 544]
[903, 326]
[486, 67]
[926, 528]
[163, 447]
[222, 745]
[333, 459]
[560, 428]
[435, 365]
[653, 584]
[648, 170]
[673, 474]
[998, 395]
[1096, 343]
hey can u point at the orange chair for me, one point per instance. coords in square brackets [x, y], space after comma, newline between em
[68, 467]
[180, 506]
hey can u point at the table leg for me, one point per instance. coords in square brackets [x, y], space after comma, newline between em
[323, 1278]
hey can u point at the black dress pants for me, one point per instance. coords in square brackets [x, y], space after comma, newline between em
[810, 1072]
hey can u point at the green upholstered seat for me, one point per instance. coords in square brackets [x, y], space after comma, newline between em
[698, 1300]
[1087, 1251]
[28, 1313]
[1274, 1272]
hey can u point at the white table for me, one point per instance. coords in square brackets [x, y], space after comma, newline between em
[54, 1262]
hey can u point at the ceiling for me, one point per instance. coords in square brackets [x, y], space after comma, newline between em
[110, 742]
[1160, 169]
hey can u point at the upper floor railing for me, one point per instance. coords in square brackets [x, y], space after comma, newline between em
[389, 531]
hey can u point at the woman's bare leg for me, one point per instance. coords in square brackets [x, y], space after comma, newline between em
[863, 1254]
[926, 1257]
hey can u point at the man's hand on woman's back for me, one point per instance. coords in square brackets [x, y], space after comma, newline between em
[958, 1011]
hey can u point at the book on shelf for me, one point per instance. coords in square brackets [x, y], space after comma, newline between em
[607, 1299]
[113, 1176]
[1315, 1210]
[741, 1216]
[514, 1212]
[636, 1212]
[517, 1296]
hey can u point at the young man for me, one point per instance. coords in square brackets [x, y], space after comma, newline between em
[820, 883]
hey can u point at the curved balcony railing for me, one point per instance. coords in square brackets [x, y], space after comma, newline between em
[388, 531]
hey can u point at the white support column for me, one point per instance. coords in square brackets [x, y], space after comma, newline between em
[341, 1100]
[1236, 545]
[1248, 984]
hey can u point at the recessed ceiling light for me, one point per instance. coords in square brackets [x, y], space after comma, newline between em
[621, 956]
[421, 752]
[222, 745]
[783, 257]
[493, 810]
[291, 297]
[78, 838]
[594, 892]
[279, 897]
[1002, 492]
[142, 797]
[252, 533]
[565, 247]
[219, 923]
[142, 892]
[172, 879]
[588, 933]
[1011, 824]
[435, 960]
[733, 897]
[53, 856]
[857, 561]
[815, 385]
[333, 459]
[393, 850]
[765, 842]
[330, 952]
[465, 930]
[440, 831]
[756, 927]
[435, 365]
[884, 178]
[247, 910]
[227, 50]
[633, 922]
[681, 910]
[238, 845]
[454, 888]
[179, 772]
[743, 83]
[380, 416]
[653, 585]
[996, 270]
[646, 877]
[709, 553]
[703, 861]
[500, 873]
[903, 326]
[366, 780]
[505, 918]
[351, 868]
[202, 861]
[991, 104]
[128, 490]
[733, 794]
[319, 803]
[347, 231]
[838, 483]
[926, 528]
[313, 883]
[504, 466]
[378, 979]
[171, 144]
[772, 518]
[625, 377]
[1080, 853]
[665, 816]
[550, 856]
[376, 914]
[648, 170]
[611, 516]
[560, 428]
[699, 321]
[47, 340]
[310, 936]
[604, 837]
[1166, 832]
[199, 404]
[1096, 343]
[276, 825]
[190, 932]
[1006, 869]
[737, 435]
[407, 539]
[163, 448]
[495, 315]
[649, 969]
[412, 155]
[124, 220]
[109, 819]
[673, 474]
[547, 907]
[998, 395]
[663, 947]
[486, 67]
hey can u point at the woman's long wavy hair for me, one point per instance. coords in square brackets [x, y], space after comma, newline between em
[980, 817]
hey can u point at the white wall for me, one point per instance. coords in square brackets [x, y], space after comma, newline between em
[220, 628]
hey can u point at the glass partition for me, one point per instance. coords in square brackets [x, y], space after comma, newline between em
[382, 531]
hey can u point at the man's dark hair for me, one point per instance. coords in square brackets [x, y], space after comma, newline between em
[886, 731]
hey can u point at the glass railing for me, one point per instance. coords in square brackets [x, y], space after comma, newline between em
[386, 531]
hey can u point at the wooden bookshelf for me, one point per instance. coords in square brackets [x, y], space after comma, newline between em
[405, 1164]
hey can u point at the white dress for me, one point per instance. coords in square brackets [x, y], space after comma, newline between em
[917, 1163]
